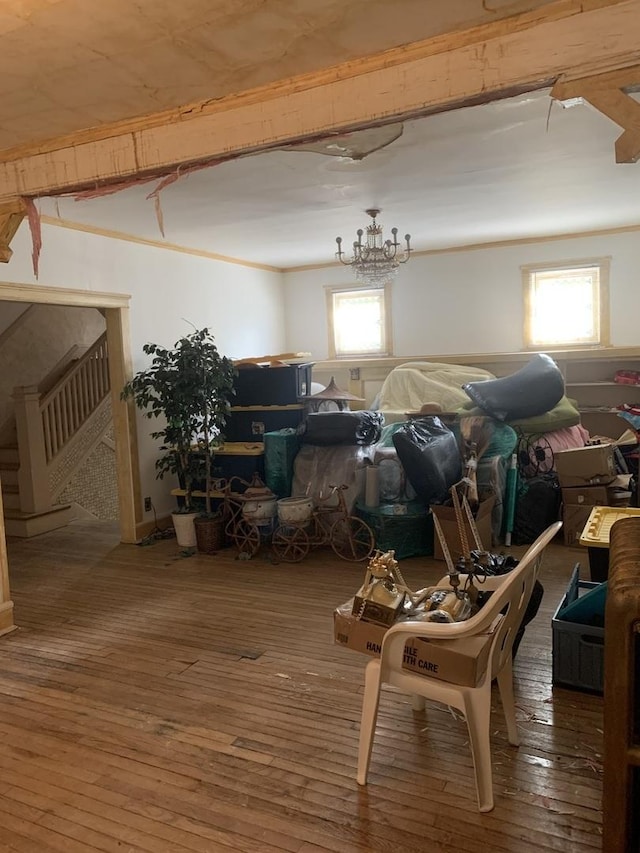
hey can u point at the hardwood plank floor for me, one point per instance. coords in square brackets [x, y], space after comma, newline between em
[152, 702]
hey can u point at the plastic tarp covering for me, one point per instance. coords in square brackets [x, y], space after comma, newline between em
[316, 469]
[492, 477]
[394, 484]
[409, 386]
[534, 389]
[332, 428]
[429, 454]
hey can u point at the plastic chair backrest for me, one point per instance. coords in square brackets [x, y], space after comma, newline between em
[512, 597]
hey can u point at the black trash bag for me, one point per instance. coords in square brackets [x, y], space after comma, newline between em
[533, 390]
[537, 506]
[530, 612]
[430, 457]
[327, 428]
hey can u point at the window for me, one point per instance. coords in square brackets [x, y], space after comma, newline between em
[359, 321]
[566, 304]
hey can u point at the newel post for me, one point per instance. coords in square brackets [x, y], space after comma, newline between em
[33, 477]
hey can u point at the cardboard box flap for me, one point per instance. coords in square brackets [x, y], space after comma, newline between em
[446, 515]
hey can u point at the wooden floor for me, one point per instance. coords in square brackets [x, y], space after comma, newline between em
[151, 702]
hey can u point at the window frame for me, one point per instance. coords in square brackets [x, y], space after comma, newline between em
[387, 349]
[528, 270]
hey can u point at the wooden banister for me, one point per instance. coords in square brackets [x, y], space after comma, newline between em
[66, 407]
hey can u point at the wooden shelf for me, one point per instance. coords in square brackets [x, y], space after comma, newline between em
[599, 385]
[180, 493]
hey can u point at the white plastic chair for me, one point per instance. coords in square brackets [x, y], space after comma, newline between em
[511, 593]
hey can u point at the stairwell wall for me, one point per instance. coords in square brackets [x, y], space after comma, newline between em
[43, 339]
[171, 293]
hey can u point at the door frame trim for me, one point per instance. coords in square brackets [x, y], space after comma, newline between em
[115, 307]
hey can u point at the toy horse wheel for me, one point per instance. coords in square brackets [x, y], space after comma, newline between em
[246, 537]
[290, 544]
[352, 539]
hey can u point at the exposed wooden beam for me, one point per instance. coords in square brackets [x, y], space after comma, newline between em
[516, 54]
[12, 213]
[606, 92]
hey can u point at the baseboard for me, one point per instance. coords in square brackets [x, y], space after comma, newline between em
[6, 618]
[144, 528]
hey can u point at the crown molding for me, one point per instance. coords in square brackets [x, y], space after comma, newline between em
[156, 244]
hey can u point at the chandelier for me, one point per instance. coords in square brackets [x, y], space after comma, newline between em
[375, 261]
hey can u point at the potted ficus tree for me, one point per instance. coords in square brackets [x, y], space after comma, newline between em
[190, 386]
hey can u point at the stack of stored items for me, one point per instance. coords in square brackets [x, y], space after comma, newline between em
[336, 448]
[267, 399]
[266, 404]
[384, 599]
[588, 477]
[573, 480]
[530, 393]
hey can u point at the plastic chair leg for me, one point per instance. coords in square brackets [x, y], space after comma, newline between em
[505, 685]
[418, 703]
[370, 704]
[478, 712]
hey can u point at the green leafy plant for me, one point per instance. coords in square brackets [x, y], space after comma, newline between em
[191, 386]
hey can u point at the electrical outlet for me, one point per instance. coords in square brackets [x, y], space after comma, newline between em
[147, 504]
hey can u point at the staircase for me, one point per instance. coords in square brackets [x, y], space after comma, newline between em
[34, 465]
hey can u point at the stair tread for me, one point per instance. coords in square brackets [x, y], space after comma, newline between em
[16, 514]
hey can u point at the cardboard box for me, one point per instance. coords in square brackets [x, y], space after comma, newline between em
[585, 496]
[458, 661]
[574, 518]
[373, 611]
[586, 466]
[447, 517]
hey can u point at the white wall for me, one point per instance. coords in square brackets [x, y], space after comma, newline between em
[243, 307]
[9, 313]
[41, 345]
[467, 301]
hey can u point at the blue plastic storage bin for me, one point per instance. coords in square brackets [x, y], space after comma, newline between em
[578, 649]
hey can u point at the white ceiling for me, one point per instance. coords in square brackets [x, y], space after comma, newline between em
[515, 168]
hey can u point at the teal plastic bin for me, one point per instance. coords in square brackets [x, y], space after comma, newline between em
[280, 450]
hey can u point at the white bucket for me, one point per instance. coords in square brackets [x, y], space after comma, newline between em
[185, 529]
[260, 511]
[295, 510]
